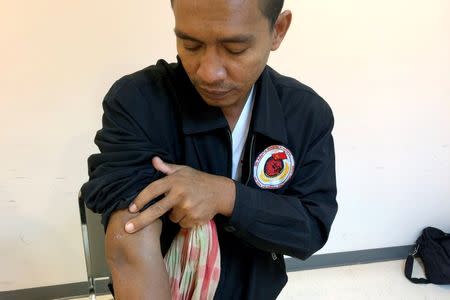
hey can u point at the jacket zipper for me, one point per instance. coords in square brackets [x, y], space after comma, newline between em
[230, 153]
[250, 159]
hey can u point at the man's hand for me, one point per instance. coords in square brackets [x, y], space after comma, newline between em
[194, 197]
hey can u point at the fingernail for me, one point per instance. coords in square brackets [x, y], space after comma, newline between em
[132, 208]
[129, 227]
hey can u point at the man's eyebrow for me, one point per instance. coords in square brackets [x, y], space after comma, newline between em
[239, 38]
[185, 36]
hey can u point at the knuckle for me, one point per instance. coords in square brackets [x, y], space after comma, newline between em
[150, 187]
[182, 193]
[159, 208]
[178, 193]
[186, 206]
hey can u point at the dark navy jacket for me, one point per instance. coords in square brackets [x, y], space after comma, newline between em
[157, 111]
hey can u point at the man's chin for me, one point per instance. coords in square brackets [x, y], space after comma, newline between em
[218, 100]
[215, 102]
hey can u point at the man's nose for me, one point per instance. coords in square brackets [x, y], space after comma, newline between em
[211, 69]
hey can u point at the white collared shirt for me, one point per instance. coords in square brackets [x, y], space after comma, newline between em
[239, 135]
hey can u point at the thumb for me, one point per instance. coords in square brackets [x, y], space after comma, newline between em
[164, 167]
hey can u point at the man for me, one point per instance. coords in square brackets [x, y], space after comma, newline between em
[218, 135]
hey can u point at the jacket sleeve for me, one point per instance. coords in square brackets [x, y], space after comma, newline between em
[123, 166]
[296, 223]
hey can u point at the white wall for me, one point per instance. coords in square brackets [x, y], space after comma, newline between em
[384, 67]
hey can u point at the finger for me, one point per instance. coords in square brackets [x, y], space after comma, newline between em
[176, 215]
[164, 167]
[150, 192]
[149, 215]
[186, 222]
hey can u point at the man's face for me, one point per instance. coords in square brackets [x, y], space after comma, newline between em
[224, 46]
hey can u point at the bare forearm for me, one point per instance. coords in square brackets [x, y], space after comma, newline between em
[148, 280]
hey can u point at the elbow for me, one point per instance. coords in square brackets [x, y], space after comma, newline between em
[123, 249]
[309, 240]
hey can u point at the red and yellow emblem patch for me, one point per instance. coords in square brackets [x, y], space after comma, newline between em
[273, 167]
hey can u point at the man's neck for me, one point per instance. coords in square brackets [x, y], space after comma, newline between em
[232, 113]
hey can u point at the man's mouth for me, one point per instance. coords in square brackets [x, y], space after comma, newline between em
[214, 93]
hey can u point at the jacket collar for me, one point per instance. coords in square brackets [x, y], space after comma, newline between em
[198, 117]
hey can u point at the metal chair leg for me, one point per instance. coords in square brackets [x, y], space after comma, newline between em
[87, 253]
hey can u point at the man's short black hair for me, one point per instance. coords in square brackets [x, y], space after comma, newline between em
[270, 9]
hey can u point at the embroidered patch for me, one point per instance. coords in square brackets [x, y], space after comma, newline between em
[273, 167]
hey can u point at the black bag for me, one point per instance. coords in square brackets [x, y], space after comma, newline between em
[433, 247]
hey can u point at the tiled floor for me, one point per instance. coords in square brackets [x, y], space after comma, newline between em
[371, 281]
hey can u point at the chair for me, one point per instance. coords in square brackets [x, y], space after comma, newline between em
[94, 248]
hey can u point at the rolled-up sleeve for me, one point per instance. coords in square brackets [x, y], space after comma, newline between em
[127, 144]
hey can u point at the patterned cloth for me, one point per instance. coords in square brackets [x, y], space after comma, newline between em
[193, 263]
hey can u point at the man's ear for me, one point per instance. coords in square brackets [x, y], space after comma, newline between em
[280, 28]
